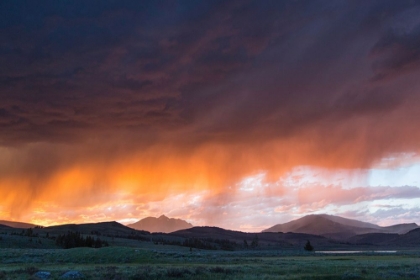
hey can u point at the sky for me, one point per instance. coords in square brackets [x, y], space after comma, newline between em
[237, 114]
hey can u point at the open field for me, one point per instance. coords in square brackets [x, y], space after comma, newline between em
[172, 262]
[24, 256]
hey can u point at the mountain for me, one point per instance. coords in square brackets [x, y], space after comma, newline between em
[350, 222]
[337, 227]
[325, 225]
[161, 224]
[16, 224]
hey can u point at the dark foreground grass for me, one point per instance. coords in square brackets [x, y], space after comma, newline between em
[166, 262]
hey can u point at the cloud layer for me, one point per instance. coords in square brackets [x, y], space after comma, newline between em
[155, 99]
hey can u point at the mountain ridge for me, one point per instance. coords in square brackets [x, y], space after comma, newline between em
[337, 227]
[210, 237]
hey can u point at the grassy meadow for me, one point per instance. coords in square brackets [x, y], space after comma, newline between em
[23, 257]
[149, 261]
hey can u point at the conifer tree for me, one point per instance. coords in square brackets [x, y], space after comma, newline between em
[308, 246]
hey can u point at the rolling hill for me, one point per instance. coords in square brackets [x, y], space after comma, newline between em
[16, 224]
[401, 228]
[161, 224]
[104, 228]
[411, 238]
[389, 240]
[374, 239]
[322, 227]
[266, 240]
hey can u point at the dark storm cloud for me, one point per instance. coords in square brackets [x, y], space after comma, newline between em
[315, 69]
[227, 71]
[398, 50]
[89, 66]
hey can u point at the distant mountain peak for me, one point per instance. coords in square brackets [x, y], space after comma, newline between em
[336, 226]
[160, 224]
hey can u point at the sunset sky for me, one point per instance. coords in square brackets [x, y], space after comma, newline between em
[237, 114]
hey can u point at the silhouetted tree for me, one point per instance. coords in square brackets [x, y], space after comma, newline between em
[29, 232]
[308, 246]
[75, 239]
[89, 241]
[199, 244]
[226, 244]
[98, 243]
[245, 244]
[254, 242]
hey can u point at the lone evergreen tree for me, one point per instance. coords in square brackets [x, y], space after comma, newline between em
[308, 246]
[254, 242]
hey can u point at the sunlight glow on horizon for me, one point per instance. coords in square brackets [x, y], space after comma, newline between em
[400, 176]
[252, 204]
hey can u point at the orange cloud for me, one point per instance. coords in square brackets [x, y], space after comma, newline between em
[93, 174]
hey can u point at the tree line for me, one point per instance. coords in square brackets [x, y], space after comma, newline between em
[75, 239]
